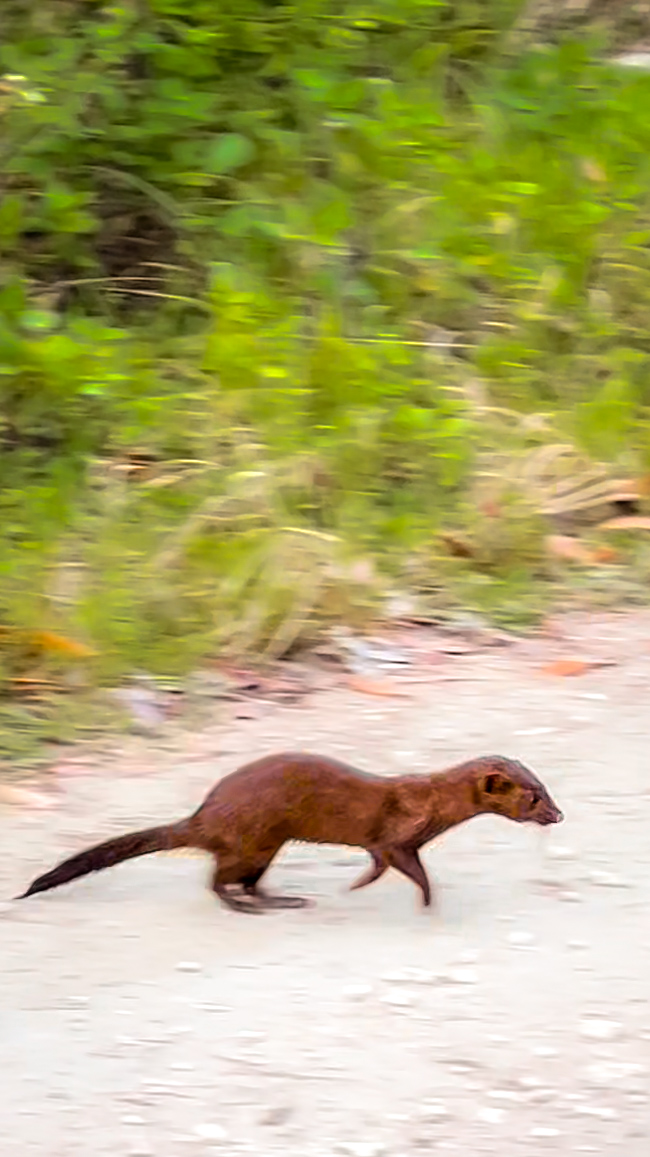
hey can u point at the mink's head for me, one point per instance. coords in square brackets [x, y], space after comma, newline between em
[508, 788]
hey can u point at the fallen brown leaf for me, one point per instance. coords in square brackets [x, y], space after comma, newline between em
[569, 549]
[628, 522]
[60, 644]
[70, 768]
[375, 686]
[25, 797]
[606, 554]
[458, 547]
[569, 667]
[34, 688]
[630, 489]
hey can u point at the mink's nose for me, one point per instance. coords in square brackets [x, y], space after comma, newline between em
[547, 813]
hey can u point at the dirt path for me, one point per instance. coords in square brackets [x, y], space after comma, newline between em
[138, 1018]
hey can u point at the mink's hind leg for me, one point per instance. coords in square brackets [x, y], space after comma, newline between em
[380, 863]
[237, 903]
[407, 861]
[268, 900]
[223, 885]
[233, 871]
[251, 886]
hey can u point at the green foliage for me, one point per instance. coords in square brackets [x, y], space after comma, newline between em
[235, 237]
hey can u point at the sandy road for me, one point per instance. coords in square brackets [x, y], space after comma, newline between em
[138, 1018]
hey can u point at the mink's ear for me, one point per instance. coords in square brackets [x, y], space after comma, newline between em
[497, 784]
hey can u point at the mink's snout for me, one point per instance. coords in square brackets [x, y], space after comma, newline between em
[550, 815]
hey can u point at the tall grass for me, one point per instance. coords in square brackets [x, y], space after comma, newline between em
[289, 295]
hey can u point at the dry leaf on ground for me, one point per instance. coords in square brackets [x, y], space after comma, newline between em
[25, 797]
[569, 549]
[604, 554]
[458, 547]
[630, 489]
[568, 667]
[628, 522]
[60, 644]
[71, 767]
[383, 687]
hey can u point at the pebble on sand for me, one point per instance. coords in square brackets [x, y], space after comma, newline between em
[521, 939]
[433, 1111]
[558, 852]
[361, 1148]
[491, 1115]
[597, 1029]
[461, 975]
[399, 998]
[357, 991]
[607, 879]
[210, 1132]
[410, 976]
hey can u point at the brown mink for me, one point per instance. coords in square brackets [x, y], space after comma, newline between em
[249, 815]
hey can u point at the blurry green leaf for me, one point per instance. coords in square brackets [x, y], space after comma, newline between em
[38, 319]
[228, 152]
[331, 218]
[11, 216]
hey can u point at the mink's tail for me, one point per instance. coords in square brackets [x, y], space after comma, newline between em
[112, 852]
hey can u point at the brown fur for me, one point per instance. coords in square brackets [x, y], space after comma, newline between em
[248, 816]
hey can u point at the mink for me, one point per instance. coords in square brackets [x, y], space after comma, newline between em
[249, 815]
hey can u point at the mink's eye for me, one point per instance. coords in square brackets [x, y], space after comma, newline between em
[535, 799]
